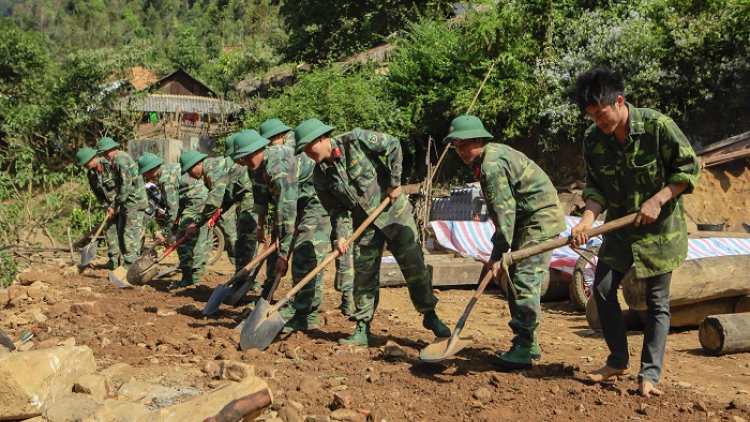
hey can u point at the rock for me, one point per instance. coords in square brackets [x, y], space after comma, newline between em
[313, 418]
[483, 395]
[738, 419]
[579, 408]
[235, 371]
[683, 384]
[211, 369]
[17, 294]
[289, 414]
[4, 297]
[85, 308]
[372, 378]
[116, 369]
[296, 405]
[700, 405]
[393, 351]
[170, 341]
[347, 415]
[97, 386]
[165, 312]
[645, 409]
[341, 400]
[741, 403]
[68, 342]
[80, 407]
[35, 379]
[145, 393]
[210, 404]
[50, 342]
[35, 292]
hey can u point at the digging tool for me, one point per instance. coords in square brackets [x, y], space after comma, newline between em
[240, 290]
[222, 290]
[262, 325]
[6, 341]
[144, 268]
[444, 348]
[89, 251]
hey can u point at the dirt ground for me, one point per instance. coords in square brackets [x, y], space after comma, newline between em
[722, 196]
[166, 339]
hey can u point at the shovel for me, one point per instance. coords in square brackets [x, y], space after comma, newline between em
[239, 291]
[89, 251]
[222, 290]
[444, 348]
[144, 268]
[262, 325]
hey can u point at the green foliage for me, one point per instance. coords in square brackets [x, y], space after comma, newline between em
[8, 269]
[324, 30]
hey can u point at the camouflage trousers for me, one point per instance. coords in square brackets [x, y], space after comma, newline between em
[247, 242]
[113, 244]
[312, 242]
[193, 252]
[129, 233]
[344, 281]
[227, 222]
[407, 251]
[525, 309]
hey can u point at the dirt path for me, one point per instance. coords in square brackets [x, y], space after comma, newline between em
[151, 327]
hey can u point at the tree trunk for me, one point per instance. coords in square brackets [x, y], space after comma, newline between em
[244, 408]
[724, 334]
[696, 281]
[693, 315]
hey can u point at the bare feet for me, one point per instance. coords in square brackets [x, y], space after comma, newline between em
[607, 372]
[647, 389]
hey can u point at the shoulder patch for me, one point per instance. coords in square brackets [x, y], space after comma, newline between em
[372, 138]
[353, 162]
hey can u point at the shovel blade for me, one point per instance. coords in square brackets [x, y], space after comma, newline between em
[142, 270]
[118, 277]
[260, 328]
[238, 292]
[217, 297]
[168, 271]
[88, 253]
[443, 348]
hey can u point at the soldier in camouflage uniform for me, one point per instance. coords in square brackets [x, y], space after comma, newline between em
[278, 133]
[637, 161]
[295, 208]
[355, 172]
[183, 198]
[130, 203]
[102, 185]
[523, 204]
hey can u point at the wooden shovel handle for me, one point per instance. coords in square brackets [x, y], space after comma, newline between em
[99, 230]
[182, 240]
[331, 256]
[257, 260]
[521, 254]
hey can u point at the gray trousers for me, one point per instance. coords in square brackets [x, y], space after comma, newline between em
[656, 327]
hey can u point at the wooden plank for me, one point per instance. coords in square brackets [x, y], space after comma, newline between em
[390, 274]
[723, 143]
[724, 158]
[455, 272]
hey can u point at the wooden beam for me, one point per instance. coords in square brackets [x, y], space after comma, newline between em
[723, 143]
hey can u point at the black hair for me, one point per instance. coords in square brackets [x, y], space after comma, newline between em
[598, 86]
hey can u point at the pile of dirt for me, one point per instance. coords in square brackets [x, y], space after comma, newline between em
[721, 197]
[151, 326]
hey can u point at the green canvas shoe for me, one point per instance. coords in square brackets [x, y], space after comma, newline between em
[518, 357]
[360, 337]
[432, 322]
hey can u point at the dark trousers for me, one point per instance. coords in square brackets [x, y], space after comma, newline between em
[656, 328]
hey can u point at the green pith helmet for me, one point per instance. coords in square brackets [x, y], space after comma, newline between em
[106, 144]
[149, 161]
[229, 144]
[466, 127]
[247, 142]
[189, 159]
[308, 131]
[84, 155]
[272, 127]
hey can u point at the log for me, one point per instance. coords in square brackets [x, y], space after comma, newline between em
[696, 281]
[632, 318]
[244, 408]
[693, 315]
[743, 305]
[724, 334]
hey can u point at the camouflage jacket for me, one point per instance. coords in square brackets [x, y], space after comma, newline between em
[102, 182]
[289, 140]
[307, 201]
[239, 187]
[168, 182]
[621, 177]
[215, 178]
[193, 194]
[277, 182]
[521, 199]
[365, 165]
[130, 191]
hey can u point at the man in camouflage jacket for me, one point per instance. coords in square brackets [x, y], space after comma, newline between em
[278, 133]
[523, 204]
[102, 184]
[355, 172]
[130, 203]
[183, 198]
[637, 161]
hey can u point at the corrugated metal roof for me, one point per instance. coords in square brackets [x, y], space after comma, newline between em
[162, 103]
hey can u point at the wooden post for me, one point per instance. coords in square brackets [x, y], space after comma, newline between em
[244, 408]
[724, 334]
[427, 193]
[692, 315]
[743, 305]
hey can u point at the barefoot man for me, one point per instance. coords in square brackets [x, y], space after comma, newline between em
[637, 160]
